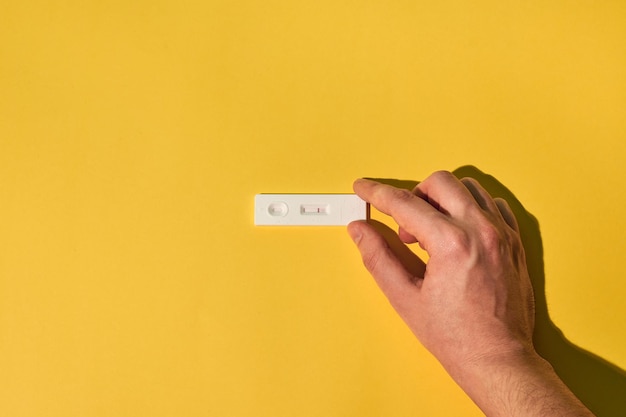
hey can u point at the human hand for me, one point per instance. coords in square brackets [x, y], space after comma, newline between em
[474, 299]
[471, 303]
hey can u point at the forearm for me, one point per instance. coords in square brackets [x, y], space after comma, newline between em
[523, 384]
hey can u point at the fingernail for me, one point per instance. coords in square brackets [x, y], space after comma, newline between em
[362, 180]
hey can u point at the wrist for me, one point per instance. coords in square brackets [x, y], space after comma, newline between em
[517, 382]
[485, 371]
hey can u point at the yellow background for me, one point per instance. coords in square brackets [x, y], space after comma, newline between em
[134, 135]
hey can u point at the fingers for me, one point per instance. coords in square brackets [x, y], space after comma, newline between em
[415, 216]
[409, 260]
[424, 215]
[497, 206]
[507, 214]
[406, 237]
[395, 275]
[481, 196]
[446, 193]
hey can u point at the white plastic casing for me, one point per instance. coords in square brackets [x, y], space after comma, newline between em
[308, 209]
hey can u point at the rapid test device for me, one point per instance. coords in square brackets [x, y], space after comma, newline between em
[308, 209]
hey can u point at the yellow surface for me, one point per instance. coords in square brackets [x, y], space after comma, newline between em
[133, 136]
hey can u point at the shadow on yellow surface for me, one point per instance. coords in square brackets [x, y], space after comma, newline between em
[598, 383]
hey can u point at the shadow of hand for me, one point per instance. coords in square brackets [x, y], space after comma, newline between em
[600, 385]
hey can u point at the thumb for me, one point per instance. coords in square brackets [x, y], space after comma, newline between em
[394, 279]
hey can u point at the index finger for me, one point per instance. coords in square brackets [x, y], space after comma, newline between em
[411, 212]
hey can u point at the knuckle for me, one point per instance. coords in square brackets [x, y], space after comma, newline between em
[482, 237]
[491, 236]
[371, 260]
[469, 180]
[403, 194]
[398, 196]
[388, 197]
[458, 240]
[441, 174]
[437, 177]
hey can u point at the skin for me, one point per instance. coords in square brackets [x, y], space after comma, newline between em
[471, 305]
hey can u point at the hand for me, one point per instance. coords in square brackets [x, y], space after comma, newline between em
[474, 299]
[472, 303]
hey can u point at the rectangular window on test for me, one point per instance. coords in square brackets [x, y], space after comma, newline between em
[314, 209]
